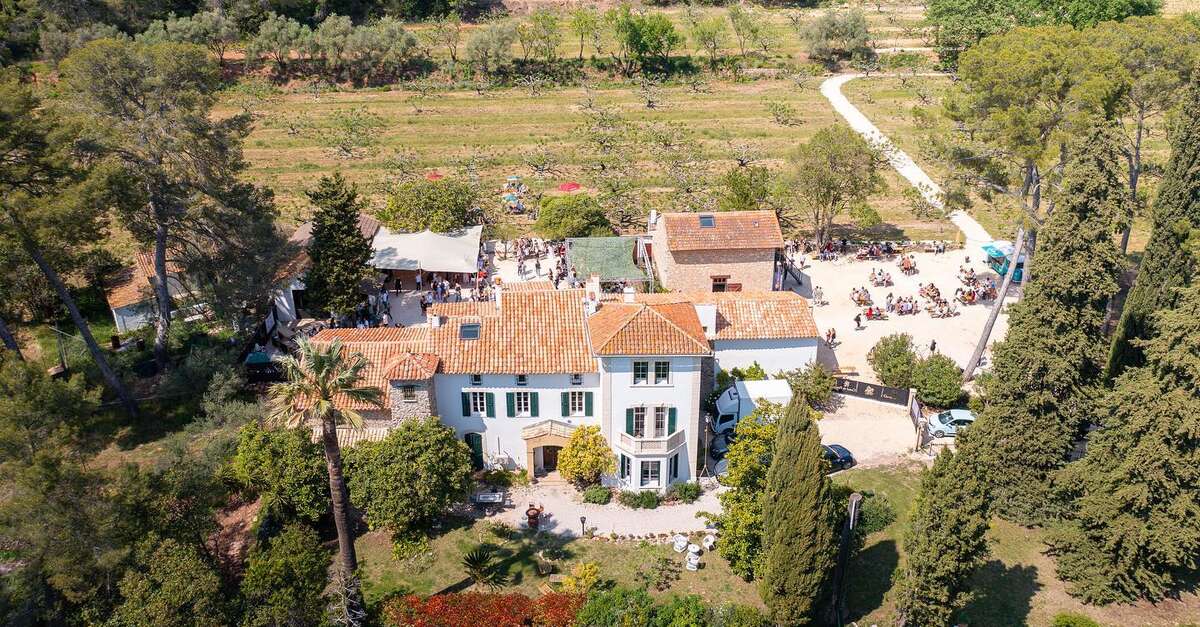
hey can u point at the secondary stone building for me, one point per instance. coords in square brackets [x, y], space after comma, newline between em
[729, 251]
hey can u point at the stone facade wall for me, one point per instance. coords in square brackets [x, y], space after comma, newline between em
[423, 407]
[689, 270]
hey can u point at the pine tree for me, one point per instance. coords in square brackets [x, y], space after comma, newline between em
[944, 543]
[1055, 345]
[799, 539]
[1165, 265]
[338, 250]
[1136, 521]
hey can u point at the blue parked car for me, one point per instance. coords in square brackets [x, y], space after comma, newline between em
[838, 456]
[949, 423]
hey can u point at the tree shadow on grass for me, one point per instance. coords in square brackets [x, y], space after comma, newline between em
[1003, 595]
[869, 578]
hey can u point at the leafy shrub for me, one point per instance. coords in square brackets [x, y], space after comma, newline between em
[686, 492]
[423, 453]
[286, 468]
[688, 609]
[876, 514]
[619, 606]
[1071, 619]
[285, 578]
[638, 500]
[753, 372]
[938, 381]
[735, 615]
[814, 382]
[894, 360]
[586, 457]
[597, 494]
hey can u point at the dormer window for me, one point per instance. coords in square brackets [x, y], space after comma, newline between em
[522, 379]
[708, 221]
[469, 331]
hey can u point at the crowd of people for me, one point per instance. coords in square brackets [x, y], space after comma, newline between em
[879, 278]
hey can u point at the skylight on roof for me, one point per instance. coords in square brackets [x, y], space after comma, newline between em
[707, 221]
[469, 331]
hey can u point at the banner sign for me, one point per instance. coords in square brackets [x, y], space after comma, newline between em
[873, 391]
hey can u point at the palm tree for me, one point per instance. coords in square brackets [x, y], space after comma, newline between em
[482, 569]
[315, 377]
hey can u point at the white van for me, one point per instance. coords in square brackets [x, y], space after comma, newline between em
[739, 399]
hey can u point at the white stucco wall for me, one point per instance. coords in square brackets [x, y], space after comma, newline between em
[682, 393]
[285, 306]
[772, 355]
[502, 435]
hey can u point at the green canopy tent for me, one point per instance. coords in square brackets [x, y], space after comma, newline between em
[613, 258]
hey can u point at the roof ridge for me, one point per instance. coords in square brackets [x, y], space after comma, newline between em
[679, 328]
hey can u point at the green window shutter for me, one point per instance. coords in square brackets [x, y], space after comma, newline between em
[510, 399]
[587, 404]
[466, 402]
[491, 405]
[629, 421]
[566, 404]
[533, 404]
[670, 420]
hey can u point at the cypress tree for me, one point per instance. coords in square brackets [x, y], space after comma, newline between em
[1055, 345]
[799, 539]
[338, 250]
[944, 543]
[1135, 527]
[1165, 266]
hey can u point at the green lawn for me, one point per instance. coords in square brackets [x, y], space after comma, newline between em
[438, 569]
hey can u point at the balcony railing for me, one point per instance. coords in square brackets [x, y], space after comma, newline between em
[646, 445]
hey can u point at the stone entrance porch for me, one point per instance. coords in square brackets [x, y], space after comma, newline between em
[543, 442]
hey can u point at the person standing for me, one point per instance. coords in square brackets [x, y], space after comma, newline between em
[858, 322]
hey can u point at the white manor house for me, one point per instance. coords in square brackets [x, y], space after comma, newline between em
[515, 376]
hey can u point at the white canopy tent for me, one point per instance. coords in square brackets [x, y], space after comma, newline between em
[456, 251]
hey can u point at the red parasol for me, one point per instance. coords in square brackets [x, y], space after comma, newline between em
[569, 186]
[435, 176]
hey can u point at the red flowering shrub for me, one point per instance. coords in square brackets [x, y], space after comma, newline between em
[557, 609]
[479, 609]
[467, 609]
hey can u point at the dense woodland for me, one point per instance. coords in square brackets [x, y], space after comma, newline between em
[1088, 412]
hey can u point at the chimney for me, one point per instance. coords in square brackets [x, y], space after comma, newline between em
[498, 294]
[627, 293]
[435, 321]
[707, 314]
[592, 287]
[652, 220]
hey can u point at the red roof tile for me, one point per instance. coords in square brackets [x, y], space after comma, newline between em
[641, 329]
[751, 315]
[731, 230]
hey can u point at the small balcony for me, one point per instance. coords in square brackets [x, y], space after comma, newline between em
[645, 445]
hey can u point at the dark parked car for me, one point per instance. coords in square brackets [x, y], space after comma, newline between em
[838, 456]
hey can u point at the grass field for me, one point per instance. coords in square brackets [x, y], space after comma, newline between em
[506, 126]
[1015, 587]
[889, 104]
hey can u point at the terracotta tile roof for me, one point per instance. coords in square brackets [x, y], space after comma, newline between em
[529, 286]
[383, 348]
[133, 283]
[532, 332]
[644, 329]
[751, 315]
[348, 436]
[731, 230]
[411, 367]
[300, 238]
[464, 308]
[418, 337]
